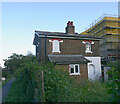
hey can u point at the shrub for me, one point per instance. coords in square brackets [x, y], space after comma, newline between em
[113, 85]
[58, 86]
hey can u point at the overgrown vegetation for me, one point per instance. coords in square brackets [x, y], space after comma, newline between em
[114, 81]
[58, 86]
[11, 64]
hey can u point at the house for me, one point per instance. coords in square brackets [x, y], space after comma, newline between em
[79, 54]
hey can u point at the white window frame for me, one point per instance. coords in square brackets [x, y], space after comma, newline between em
[58, 47]
[74, 69]
[88, 51]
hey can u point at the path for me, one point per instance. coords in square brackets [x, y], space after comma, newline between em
[6, 88]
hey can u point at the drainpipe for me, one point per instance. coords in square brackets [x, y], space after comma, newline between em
[45, 50]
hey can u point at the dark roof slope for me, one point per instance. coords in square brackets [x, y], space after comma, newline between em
[35, 41]
[67, 59]
[64, 34]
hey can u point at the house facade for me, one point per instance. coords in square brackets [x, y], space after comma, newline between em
[79, 54]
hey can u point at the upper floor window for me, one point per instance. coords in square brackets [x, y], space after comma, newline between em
[56, 46]
[88, 48]
[74, 69]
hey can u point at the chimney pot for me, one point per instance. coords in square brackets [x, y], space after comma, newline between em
[72, 23]
[69, 23]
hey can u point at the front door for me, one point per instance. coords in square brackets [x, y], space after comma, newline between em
[91, 72]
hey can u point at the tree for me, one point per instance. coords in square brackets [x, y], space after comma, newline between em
[13, 62]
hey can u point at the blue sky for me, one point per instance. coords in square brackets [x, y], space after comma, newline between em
[21, 19]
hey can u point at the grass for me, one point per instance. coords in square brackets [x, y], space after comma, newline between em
[86, 92]
[15, 93]
[93, 92]
[0, 84]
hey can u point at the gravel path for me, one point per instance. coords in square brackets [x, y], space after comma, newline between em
[6, 88]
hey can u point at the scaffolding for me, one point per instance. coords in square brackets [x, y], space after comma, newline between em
[99, 20]
[107, 27]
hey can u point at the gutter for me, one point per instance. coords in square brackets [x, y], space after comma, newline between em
[78, 38]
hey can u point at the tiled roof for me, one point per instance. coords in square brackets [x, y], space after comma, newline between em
[67, 59]
[64, 34]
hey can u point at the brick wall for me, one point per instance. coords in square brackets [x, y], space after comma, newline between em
[68, 47]
[74, 47]
[83, 72]
[41, 49]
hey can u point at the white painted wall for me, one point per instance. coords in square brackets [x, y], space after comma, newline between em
[94, 67]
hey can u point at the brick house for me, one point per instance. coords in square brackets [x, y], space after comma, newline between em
[79, 54]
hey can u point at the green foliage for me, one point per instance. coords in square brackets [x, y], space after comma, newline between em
[13, 62]
[6, 74]
[115, 64]
[16, 93]
[25, 76]
[114, 81]
[92, 92]
[58, 85]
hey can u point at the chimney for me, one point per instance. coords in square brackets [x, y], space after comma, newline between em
[70, 29]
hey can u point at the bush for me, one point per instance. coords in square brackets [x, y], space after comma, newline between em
[25, 76]
[114, 85]
[58, 86]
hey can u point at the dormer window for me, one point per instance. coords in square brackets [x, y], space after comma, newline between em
[88, 46]
[56, 45]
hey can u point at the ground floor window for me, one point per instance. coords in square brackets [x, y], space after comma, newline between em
[74, 69]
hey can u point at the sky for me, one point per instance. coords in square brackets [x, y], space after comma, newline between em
[21, 19]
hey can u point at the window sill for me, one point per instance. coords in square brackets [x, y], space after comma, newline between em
[75, 74]
[88, 51]
[56, 52]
